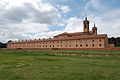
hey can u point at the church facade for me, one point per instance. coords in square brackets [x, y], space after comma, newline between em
[78, 40]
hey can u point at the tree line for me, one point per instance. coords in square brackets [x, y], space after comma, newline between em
[115, 41]
[3, 45]
[111, 40]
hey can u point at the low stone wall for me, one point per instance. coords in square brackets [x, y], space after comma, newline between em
[111, 45]
[3, 48]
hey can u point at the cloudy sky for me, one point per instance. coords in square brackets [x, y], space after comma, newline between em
[30, 19]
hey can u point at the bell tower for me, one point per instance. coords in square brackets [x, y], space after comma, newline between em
[94, 29]
[86, 25]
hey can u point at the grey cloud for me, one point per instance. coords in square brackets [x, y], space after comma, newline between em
[15, 21]
[28, 12]
[45, 17]
[15, 15]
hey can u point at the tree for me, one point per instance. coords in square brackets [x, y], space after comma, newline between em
[115, 41]
[9, 41]
[3, 45]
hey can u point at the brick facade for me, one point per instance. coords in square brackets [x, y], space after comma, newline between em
[78, 40]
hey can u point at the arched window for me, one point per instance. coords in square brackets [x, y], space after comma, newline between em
[85, 25]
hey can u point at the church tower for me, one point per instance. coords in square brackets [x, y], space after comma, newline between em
[86, 25]
[94, 29]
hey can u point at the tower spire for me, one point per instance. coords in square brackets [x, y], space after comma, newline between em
[94, 29]
[85, 17]
[94, 24]
[86, 25]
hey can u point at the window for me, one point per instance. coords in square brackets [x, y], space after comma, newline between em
[86, 40]
[93, 45]
[61, 41]
[71, 45]
[76, 41]
[61, 45]
[50, 45]
[66, 41]
[76, 45]
[100, 45]
[80, 40]
[100, 40]
[85, 25]
[92, 40]
[81, 45]
[53, 45]
[66, 45]
[86, 45]
[62, 36]
[71, 41]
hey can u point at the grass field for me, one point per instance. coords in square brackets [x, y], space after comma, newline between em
[41, 65]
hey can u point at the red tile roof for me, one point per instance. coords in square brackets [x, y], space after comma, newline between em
[98, 36]
[73, 34]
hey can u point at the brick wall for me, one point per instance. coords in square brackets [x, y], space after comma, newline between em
[68, 48]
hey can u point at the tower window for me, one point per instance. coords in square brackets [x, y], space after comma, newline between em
[85, 25]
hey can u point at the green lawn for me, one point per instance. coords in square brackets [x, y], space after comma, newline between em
[41, 65]
[118, 47]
